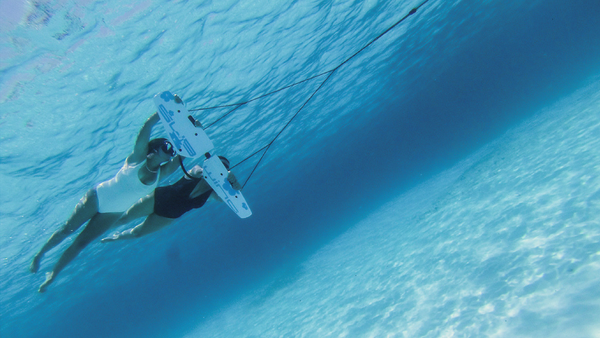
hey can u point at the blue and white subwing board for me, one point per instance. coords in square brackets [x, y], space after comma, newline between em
[187, 139]
[215, 174]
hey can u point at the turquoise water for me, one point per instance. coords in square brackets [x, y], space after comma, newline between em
[444, 182]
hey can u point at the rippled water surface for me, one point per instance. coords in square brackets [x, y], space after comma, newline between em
[442, 182]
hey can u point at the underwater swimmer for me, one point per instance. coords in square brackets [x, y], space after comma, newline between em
[168, 203]
[150, 161]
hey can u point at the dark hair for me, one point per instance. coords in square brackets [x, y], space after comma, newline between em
[225, 161]
[155, 144]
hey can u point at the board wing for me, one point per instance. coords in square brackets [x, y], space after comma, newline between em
[187, 139]
[215, 174]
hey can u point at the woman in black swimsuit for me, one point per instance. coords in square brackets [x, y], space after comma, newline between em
[166, 204]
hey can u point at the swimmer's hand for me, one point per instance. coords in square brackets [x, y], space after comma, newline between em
[112, 238]
[196, 171]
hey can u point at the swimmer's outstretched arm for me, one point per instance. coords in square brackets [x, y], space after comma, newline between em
[140, 150]
[142, 208]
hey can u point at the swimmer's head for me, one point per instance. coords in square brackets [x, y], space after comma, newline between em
[225, 161]
[157, 144]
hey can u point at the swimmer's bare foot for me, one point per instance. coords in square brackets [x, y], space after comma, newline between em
[35, 263]
[114, 237]
[49, 279]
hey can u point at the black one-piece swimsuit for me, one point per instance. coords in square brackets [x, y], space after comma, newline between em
[172, 201]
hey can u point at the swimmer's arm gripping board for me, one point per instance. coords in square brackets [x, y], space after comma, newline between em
[187, 140]
[215, 174]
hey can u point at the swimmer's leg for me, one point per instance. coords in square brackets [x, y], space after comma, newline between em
[84, 211]
[99, 224]
[142, 208]
[151, 224]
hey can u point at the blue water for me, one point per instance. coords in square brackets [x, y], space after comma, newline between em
[444, 182]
